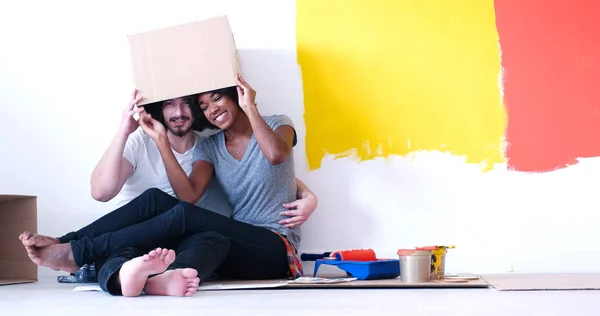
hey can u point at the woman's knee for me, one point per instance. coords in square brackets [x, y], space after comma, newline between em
[211, 238]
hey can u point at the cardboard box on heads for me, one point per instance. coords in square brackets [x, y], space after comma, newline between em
[183, 60]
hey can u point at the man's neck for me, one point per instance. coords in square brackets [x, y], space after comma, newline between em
[240, 128]
[181, 144]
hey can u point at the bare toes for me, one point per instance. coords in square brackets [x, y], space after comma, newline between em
[189, 273]
[169, 255]
[191, 290]
[28, 240]
[162, 253]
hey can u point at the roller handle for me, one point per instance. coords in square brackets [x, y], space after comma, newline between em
[314, 256]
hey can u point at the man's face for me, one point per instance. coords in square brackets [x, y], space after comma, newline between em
[178, 116]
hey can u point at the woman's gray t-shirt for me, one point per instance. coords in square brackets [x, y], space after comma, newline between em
[255, 188]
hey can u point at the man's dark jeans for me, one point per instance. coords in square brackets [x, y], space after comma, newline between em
[156, 219]
[204, 252]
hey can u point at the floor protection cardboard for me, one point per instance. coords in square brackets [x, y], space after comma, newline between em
[292, 284]
[544, 281]
[395, 283]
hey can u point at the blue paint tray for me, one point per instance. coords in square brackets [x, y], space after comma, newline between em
[364, 270]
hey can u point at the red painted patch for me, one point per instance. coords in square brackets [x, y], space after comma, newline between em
[551, 61]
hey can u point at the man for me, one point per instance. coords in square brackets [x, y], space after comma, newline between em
[132, 164]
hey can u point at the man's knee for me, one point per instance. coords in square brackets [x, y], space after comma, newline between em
[188, 207]
[154, 192]
[185, 210]
[158, 195]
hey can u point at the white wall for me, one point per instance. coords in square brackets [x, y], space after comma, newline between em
[64, 79]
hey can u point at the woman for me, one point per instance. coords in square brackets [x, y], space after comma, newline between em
[252, 158]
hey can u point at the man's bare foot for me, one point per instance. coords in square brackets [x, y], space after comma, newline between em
[178, 282]
[30, 239]
[56, 257]
[135, 272]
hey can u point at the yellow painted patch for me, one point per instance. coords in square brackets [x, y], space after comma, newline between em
[393, 77]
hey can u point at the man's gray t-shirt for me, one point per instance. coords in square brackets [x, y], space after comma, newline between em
[256, 189]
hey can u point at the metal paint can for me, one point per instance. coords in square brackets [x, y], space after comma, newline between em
[415, 265]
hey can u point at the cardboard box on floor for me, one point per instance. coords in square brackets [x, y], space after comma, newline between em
[184, 59]
[18, 213]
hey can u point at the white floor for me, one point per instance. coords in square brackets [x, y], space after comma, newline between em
[47, 297]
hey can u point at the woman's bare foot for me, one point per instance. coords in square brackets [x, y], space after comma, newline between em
[135, 272]
[30, 239]
[56, 257]
[178, 282]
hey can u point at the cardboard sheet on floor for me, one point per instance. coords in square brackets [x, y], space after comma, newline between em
[357, 284]
[387, 284]
[345, 283]
[543, 281]
[213, 286]
[340, 283]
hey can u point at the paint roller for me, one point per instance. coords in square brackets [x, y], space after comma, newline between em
[342, 255]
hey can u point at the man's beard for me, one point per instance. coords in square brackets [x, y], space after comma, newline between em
[180, 131]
